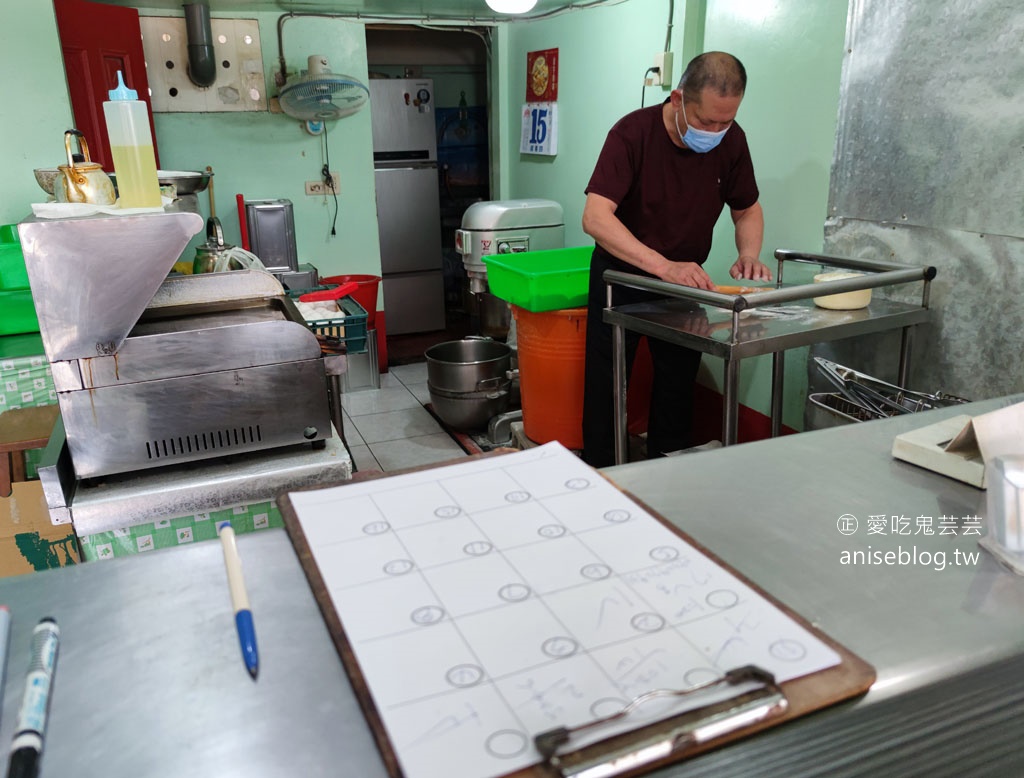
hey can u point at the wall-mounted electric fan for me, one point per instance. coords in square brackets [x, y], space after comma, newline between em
[319, 95]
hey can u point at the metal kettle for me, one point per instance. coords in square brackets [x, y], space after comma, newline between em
[208, 253]
[82, 182]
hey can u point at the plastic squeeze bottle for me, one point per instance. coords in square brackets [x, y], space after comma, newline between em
[131, 145]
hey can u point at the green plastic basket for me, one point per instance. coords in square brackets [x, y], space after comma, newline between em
[348, 327]
[541, 280]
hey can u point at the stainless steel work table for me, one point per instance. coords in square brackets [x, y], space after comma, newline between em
[735, 327]
[150, 681]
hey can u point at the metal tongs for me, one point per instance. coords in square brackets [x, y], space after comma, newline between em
[878, 398]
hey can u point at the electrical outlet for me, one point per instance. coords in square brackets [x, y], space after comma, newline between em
[662, 74]
[319, 188]
[663, 62]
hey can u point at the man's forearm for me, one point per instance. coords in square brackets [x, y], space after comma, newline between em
[749, 225]
[613, 236]
[601, 223]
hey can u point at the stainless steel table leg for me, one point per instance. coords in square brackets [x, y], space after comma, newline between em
[778, 376]
[619, 393]
[731, 402]
[904, 369]
[334, 402]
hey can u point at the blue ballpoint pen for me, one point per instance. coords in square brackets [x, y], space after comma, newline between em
[239, 598]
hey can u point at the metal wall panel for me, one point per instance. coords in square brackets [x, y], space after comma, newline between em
[240, 85]
[927, 170]
[930, 129]
[974, 345]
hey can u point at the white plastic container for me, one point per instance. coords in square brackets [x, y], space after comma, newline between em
[1005, 501]
[844, 301]
[131, 145]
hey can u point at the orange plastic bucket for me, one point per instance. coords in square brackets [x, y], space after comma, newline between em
[551, 355]
[365, 294]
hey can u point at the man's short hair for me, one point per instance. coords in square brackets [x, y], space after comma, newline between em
[714, 70]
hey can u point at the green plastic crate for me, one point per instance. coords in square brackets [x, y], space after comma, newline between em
[541, 280]
[17, 313]
[348, 327]
[13, 274]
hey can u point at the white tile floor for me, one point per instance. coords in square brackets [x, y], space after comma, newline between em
[389, 429]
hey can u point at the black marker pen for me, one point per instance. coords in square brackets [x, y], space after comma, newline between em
[27, 745]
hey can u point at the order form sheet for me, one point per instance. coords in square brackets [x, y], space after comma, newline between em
[492, 600]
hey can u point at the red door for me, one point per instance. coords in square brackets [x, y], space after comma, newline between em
[98, 40]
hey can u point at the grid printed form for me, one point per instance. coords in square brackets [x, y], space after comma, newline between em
[491, 600]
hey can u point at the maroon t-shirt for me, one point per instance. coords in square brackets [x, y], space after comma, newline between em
[668, 197]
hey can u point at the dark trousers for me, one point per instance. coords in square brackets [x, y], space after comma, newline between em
[670, 423]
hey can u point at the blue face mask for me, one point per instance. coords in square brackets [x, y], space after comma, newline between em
[700, 141]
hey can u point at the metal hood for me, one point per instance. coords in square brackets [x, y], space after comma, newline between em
[93, 277]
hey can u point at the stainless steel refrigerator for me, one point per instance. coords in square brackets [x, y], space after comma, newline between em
[408, 206]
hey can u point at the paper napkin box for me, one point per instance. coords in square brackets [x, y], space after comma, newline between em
[959, 447]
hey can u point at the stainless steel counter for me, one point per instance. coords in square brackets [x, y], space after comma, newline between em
[948, 644]
[183, 489]
[187, 489]
[150, 681]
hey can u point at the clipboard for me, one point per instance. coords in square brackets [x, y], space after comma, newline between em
[759, 704]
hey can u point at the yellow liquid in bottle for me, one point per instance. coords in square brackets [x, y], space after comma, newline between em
[135, 170]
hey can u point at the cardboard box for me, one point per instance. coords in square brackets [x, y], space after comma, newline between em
[28, 539]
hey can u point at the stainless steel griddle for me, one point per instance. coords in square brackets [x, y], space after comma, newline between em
[153, 371]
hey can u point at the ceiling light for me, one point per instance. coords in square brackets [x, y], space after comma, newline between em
[511, 6]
